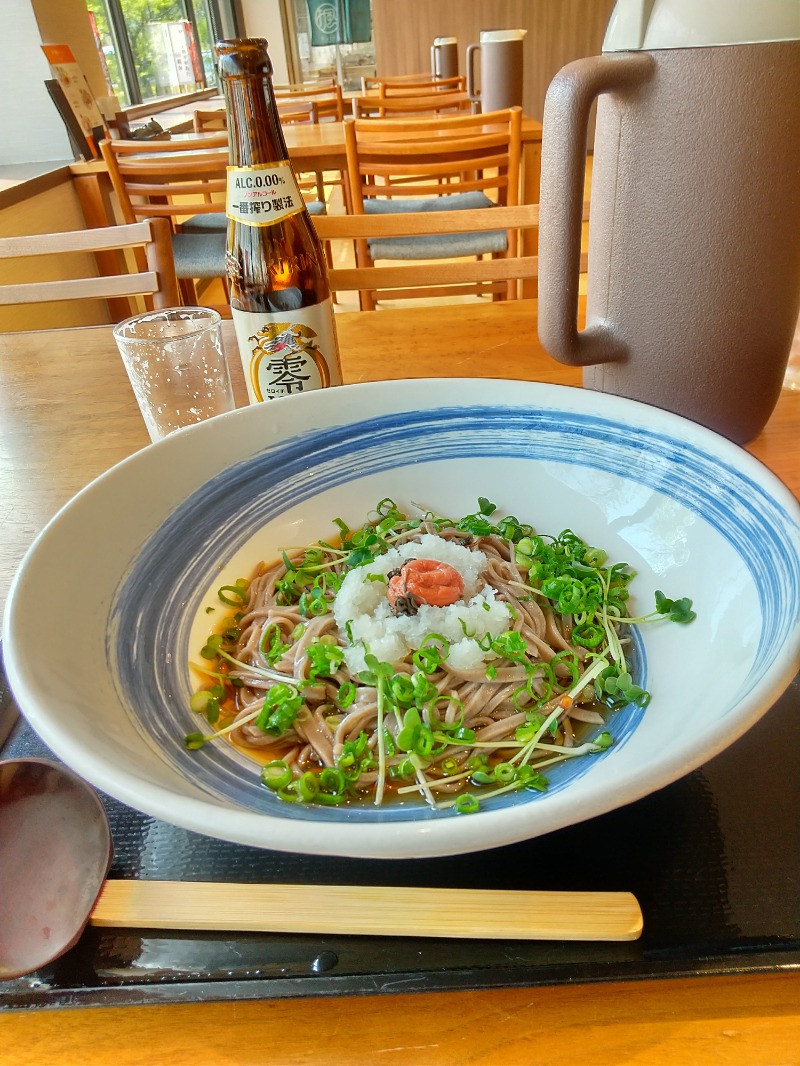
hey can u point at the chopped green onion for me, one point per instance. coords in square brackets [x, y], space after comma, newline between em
[346, 695]
[332, 781]
[234, 595]
[307, 786]
[276, 775]
[504, 773]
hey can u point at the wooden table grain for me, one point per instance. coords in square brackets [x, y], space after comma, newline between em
[67, 413]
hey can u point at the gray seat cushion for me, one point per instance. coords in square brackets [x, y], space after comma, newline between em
[435, 246]
[460, 201]
[199, 255]
[200, 251]
[214, 222]
[217, 221]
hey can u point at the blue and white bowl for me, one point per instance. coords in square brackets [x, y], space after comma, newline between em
[108, 606]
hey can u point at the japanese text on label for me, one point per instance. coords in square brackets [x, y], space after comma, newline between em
[262, 195]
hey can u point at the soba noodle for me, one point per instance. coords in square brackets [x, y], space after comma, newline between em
[350, 671]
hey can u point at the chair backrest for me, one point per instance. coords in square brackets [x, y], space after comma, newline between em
[290, 111]
[157, 282]
[301, 86]
[175, 179]
[413, 85]
[210, 121]
[417, 157]
[328, 98]
[298, 111]
[432, 278]
[431, 103]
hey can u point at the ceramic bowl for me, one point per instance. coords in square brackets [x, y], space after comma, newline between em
[102, 618]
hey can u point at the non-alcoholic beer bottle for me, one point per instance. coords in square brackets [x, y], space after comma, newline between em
[279, 292]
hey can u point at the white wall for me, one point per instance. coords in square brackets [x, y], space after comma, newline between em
[30, 126]
[67, 22]
[262, 18]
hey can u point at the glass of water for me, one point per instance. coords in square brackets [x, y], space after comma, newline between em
[177, 367]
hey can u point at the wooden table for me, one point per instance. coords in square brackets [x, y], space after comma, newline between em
[317, 147]
[66, 414]
[314, 148]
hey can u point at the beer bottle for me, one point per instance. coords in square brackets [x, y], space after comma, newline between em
[280, 298]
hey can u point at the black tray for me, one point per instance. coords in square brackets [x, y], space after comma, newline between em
[714, 860]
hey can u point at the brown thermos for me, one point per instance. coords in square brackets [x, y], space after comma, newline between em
[444, 57]
[501, 66]
[693, 288]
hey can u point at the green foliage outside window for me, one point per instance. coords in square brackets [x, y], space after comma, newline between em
[137, 15]
[109, 49]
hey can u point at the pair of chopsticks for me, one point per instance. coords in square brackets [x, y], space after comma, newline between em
[369, 910]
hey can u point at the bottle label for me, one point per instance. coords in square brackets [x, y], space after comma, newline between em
[263, 195]
[288, 352]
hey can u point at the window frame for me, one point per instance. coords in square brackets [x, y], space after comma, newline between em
[127, 62]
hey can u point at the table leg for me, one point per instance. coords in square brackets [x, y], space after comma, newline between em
[94, 195]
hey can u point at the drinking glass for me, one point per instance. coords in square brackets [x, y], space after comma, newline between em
[176, 366]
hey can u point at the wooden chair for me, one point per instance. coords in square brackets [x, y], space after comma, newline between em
[183, 181]
[328, 98]
[298, 86]
[439, 164]
[113, 247]
[329, 104]
[210, 121]
[432, 279]
[291, 112]
[371, 106]
[414, 85]
[298, 111]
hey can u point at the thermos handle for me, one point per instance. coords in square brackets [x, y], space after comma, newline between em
[433, 59]
[471, 50]
[565, 132]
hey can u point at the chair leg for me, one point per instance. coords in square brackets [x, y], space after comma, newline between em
[366, 297]
[497, 295]
[329, 263]
[188, 292]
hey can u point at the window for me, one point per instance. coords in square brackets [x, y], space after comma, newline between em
[334, 39]
[158, 48]
[107, 45]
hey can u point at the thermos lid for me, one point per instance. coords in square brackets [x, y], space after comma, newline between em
[652, 24]
[445, 40]
[501, 35]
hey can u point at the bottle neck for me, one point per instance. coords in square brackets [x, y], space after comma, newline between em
[254, 129]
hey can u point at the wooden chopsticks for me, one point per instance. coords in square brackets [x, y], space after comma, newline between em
[369, 910]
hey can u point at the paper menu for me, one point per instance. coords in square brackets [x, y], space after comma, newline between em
[76, 90]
